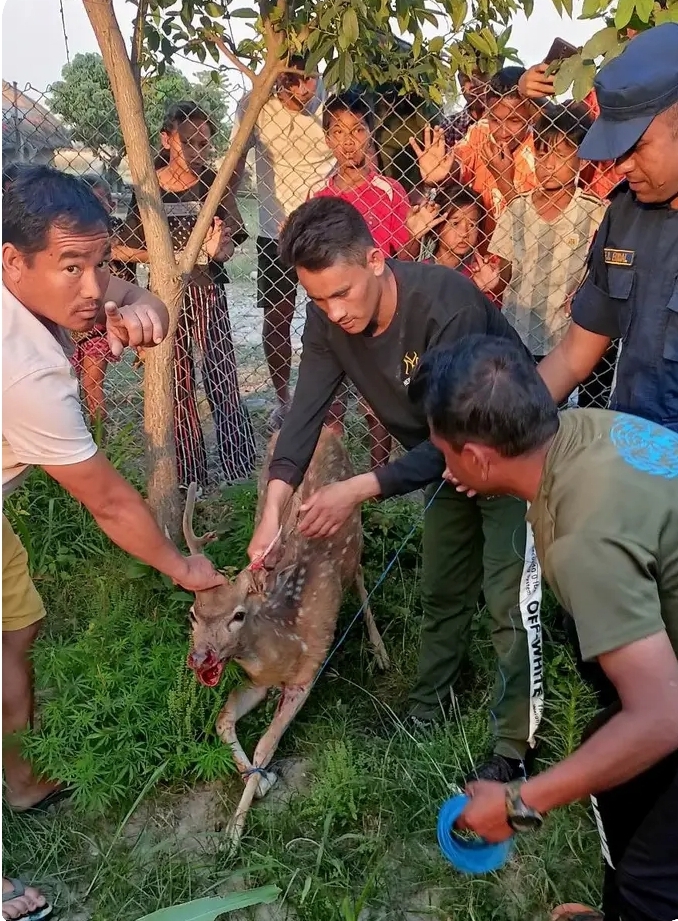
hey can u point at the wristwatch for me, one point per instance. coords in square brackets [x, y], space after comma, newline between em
[519, 816]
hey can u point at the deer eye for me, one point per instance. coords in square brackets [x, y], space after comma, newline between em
[238, 616]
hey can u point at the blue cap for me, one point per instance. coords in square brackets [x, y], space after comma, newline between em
[631, 90]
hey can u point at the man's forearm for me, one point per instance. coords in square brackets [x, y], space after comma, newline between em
[278, 493]
[627, 745]
[127, 520]
[129, 253]
[558, 375]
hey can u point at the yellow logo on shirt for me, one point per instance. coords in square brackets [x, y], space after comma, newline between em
[410, 362]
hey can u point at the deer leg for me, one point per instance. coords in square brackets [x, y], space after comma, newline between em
[376, 641]
[241, 701]
[291, 701]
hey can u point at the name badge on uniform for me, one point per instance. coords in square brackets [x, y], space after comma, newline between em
[619, 256]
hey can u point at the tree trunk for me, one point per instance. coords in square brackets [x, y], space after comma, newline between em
[167, 279]
[166, 282]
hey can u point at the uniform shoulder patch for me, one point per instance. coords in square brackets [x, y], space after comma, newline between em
[646, 446]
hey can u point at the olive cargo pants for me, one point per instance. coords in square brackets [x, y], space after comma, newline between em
[469, 544]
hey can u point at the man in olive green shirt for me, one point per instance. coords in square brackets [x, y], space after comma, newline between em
[603, 494]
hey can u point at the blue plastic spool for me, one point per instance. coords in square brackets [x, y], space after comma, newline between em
[473, 857]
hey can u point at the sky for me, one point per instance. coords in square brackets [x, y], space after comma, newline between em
[33, 47]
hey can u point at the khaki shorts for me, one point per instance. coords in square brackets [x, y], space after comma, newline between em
[21, 603]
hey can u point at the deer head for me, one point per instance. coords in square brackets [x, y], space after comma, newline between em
[220, 617]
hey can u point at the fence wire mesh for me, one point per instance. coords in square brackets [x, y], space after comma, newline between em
[491, 187]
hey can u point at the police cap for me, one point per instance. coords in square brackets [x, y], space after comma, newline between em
[631, 90]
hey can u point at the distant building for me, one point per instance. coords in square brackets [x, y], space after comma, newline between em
[30, 133]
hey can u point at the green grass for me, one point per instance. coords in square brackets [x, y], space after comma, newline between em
[122, 720]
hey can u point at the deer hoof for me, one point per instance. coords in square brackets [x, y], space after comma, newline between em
[266, 781]
[381, 656]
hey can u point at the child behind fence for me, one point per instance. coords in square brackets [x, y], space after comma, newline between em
[203, 318]
[458, 237]
[542, 238]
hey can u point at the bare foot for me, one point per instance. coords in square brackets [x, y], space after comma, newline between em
[30, 796]
[575, 911]
[26, 901]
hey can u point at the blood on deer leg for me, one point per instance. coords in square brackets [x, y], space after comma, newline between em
[241, 701]
[376, 641]
[291, 701]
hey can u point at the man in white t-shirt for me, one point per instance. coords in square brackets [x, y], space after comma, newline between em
[292, 161]
[55, 278]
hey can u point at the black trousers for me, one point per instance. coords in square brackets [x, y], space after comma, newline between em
[638, 826]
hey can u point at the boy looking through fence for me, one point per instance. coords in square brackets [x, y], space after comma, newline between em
[542, 238]
[204, 322]
[292, 159]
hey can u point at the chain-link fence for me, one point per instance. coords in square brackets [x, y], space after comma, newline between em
[492, 188]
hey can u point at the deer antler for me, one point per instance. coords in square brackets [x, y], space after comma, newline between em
[194, 544]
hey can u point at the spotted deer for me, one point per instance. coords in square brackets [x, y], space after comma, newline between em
[278, 623]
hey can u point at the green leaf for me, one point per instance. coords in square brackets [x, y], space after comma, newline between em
[566, 74]
[624, 13]
[567, 6]
[215, 10]
[436, 45]
[670, 15]
[479, 43]
[346, 70]
[244, 14]
[528, 7]
[600, 43]
[590, 9]
[583, 81]
[459, 14]
[208, 909]
[349, 26]
[644, 9]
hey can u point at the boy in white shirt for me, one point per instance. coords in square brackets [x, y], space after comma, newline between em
[292, 160]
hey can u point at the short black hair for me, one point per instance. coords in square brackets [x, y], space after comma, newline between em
[10, 172]
[322, 232]
[454, 195]
[505, 83]
[96, 181]
[571, 120]
[487, 390]
[41, 198]
[185, 111]
[352, 102]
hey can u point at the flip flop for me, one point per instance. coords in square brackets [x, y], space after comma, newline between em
[18, 889]
[44, 804]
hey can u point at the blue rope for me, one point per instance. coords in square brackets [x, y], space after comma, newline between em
[473, 857]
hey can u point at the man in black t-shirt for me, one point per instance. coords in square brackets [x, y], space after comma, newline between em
[370, 320]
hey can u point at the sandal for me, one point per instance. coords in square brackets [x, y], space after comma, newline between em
[574, 911]
[16, 892]
[56, 796]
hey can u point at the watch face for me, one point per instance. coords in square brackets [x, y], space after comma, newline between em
[528, 822]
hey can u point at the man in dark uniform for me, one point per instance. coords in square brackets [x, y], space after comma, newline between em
[631, 290]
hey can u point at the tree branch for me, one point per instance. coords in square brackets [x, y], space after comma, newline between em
[263, 83]
[232, 57]
[138, 40]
